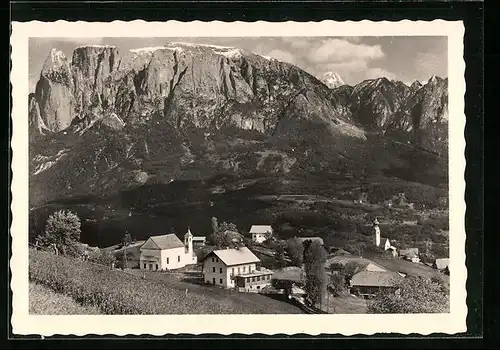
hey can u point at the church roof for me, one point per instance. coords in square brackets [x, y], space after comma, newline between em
[169, 241]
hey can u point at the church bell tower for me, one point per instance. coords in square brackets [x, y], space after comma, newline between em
[376, 233]
[188, 242]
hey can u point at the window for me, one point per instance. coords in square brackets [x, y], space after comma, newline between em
[232, 271]
[244, 268]
[258, 287]
[258, 278]
[157, 266]
[168, 260]
[213, 280]
[238, 270]
[150, 266]
[213, 269]
[145, 265]
[253, 279]
[220, 281]
[213, 259]
[178, 258]
[220, 270]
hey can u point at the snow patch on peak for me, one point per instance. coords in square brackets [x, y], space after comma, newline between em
[269, 58]
[147, 49]
[233, 53]
[332, 80]
[203, 45]
[97, 46]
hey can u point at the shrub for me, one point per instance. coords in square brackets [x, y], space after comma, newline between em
[416, 295]
[115, 292]
[102, 257]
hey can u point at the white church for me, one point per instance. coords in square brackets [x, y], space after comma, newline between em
[167, 252]
[384, 243]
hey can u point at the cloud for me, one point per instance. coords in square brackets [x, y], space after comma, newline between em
[350, 66]
[373, 73]
[281, 55]
[73, 40]
[337, 50]
[298, 42]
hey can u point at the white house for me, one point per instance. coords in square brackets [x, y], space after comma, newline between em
[167, 252]
[223, 267]
[260, 233]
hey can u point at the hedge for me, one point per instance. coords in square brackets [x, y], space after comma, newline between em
[115, 292]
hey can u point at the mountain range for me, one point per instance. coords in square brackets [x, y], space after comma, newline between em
[106, 121]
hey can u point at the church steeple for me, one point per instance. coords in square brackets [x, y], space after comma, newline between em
[188, 241]
[376, 229]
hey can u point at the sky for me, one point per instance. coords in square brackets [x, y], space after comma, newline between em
[354, 58]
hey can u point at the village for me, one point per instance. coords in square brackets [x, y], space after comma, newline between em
[261, 262]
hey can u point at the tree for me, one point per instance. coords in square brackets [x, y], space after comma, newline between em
[127, 240]
[62, 231]
[349, 270]
[314, 266]
[215, 229]
[295, 251]
[338, 280]
[227, 235]
[415, 295]
[102, 257]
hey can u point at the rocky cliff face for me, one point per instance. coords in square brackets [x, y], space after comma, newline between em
[53, 92]
[111, 120]
[424, 116]
[190, 85]
[417, 114]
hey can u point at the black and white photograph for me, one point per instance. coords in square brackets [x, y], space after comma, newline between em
[240, 172]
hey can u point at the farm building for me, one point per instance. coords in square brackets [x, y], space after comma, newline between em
[410, 254]
[261, 233]
[442, 264]
[373, 279]
[235, 268]
[167, 252]
[199, 240]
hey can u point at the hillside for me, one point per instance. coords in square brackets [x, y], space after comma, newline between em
[181, 126]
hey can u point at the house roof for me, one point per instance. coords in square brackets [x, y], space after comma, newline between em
[375, 279]
[231, 257]
[442, 263]
[290, 273]
[260, 228]
[372, 267]
[162, 242]
[318, 239]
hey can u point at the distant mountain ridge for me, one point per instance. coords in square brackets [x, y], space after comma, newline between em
[107, 121]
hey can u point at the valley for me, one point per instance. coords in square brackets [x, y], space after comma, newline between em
[157, 139]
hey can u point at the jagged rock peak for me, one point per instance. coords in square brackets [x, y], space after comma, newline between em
[416, 84]
[56, 61]
[332, 80]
